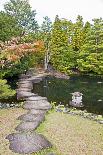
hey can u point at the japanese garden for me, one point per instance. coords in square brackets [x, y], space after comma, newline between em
[51, 83]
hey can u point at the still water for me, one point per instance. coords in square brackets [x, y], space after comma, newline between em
[59, 91]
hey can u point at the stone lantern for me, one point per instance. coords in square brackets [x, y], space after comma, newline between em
[76, 99]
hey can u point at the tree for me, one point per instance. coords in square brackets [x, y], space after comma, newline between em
[46, 30]
[61, 52]
[77, 38]
[8, 27]
[21, 11]
[91, 53]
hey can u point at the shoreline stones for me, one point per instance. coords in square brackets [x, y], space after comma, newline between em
[27, 141]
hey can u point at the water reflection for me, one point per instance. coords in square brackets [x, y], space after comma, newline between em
[59, 90]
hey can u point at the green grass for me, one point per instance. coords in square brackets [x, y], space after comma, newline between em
[70, 135]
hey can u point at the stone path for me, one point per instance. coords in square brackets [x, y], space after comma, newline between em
[27, 140]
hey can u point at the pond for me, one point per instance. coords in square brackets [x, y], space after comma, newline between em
[59, 91]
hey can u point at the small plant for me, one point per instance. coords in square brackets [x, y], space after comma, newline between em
[5, 90]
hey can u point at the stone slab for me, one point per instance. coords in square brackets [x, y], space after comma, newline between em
[36, 98]
[27, 126]
[22, 94]
[37, 112]
[39, 106]
[32, 118]
[24, 143]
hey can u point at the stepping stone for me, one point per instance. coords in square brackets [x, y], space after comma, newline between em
[25, 143]
[36, 98]
[22, 94]
[24, 76]
[24, 82]
[24, 89]
[27, 126]
[37, 80]
[37, 105]
[26, 85]
[37, 112]
[32, 118]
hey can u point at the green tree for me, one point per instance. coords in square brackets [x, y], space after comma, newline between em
[77, 38]
[46, 30]
[60, 49]
[8, 27]
[22, 12]
[91, 53]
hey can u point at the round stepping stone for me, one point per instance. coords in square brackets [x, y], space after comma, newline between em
[32, 118]
[25, 143]
[27, 126]
[37, 105]
[36, 98]
[37, 112]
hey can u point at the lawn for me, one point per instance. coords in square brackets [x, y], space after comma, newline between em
[70, 135]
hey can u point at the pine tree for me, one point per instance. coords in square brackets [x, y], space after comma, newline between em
[91, 53]
[61, 53]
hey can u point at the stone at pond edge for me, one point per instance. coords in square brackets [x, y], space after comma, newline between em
[25, 143]
[27, 126]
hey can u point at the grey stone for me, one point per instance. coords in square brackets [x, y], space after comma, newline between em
[25, 86]
[101, 122]
[27, 126]
[37, 112]
[24, 90]
[40, 105]
[36, 98]
[22, 94]
[25, 143]
[31, 117]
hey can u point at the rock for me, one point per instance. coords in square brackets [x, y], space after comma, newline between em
[37, 80]
[37, 112]
[32, 118]
[40, 105]
[24, 82]
[26, 85]
[22, 94]
[36, 98]
[25, 143]
[24, 76]
[23, 89]
[27, 126]
[101, 122]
